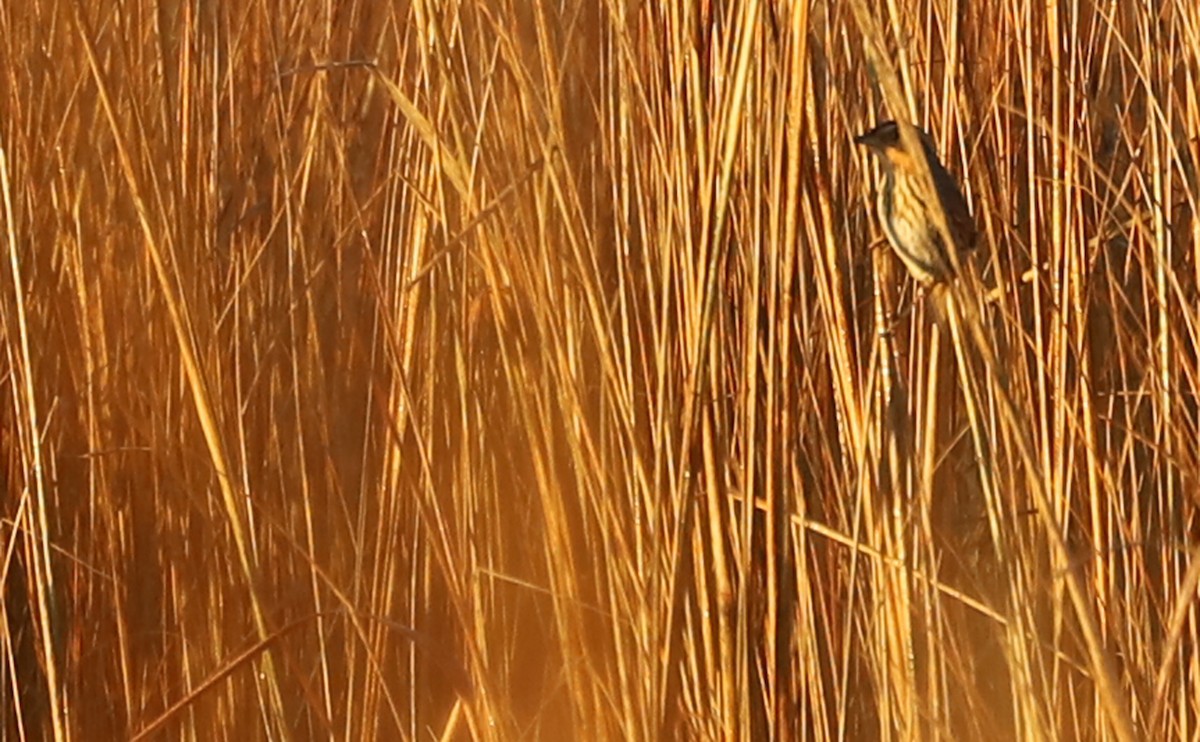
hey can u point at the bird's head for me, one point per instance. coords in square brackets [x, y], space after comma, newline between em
[884, 140]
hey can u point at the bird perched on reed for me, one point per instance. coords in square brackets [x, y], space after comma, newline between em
[904, 209]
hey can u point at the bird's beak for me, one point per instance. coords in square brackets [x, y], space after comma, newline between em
[866, 140]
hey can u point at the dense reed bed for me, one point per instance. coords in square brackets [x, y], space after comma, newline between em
[490, 369]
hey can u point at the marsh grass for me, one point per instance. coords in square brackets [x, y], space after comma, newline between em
[503, 370]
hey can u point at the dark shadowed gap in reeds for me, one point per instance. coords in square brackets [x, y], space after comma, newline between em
[505, 370]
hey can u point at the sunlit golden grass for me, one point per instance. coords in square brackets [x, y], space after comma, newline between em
[503, 370]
